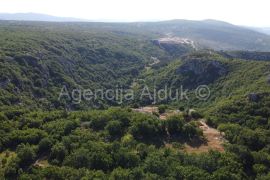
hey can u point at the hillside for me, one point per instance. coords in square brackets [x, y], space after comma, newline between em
[225, 77]
[211, 34]
[36, 17]
[265, 30]
[38, 59]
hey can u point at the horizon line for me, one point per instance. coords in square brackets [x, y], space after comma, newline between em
[105, 20]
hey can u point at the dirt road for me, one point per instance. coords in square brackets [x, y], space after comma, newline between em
[214, 138]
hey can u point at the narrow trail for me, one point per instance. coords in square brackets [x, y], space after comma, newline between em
[147, 67]
[213, 138]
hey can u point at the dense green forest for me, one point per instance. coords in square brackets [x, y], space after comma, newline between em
[44, 137]
[38, 59]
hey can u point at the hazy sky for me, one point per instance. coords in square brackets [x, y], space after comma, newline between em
[241, 12]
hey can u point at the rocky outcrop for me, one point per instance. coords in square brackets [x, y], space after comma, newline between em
[197, 71]
[175, 46]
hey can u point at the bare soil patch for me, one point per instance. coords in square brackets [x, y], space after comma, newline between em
[214, 140]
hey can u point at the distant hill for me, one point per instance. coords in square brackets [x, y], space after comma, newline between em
[212, 34]
[265, 30]
[36, 17]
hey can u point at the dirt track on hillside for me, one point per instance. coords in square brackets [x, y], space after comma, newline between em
[213, 138]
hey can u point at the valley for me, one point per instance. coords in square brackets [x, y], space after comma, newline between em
[219, 132]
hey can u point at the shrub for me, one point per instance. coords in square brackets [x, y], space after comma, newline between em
[181, 108]
[114, 128]
[44, 145]
[175, 124]
[162, 109]
[189, 130]
[25, 154]
[195, 115]
[58, 153]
